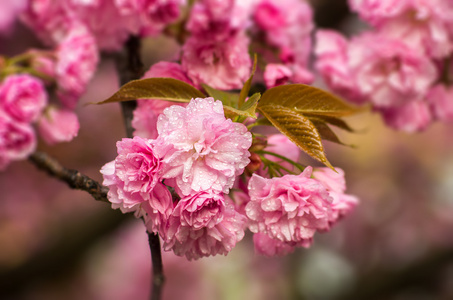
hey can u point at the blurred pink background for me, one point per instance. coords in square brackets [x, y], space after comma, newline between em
[58, 243]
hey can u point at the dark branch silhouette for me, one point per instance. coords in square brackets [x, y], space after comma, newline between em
[73, 178]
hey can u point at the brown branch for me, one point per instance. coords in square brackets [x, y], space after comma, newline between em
[130, 67]
[73, 178]
[158, 277]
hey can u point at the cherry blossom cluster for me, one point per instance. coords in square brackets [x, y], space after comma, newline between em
[402, 65]
[197, 178]
[198, 153]
[286, 26]
[75, 31]
[110, 22]
[215, 36]
[189, 185]
[25, 83]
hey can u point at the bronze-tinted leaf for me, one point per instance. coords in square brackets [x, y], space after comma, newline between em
[326, 132]
[156, 88]
[337, 122]
[308, 100]
[246, 88]
[227, 98]
[298, 128]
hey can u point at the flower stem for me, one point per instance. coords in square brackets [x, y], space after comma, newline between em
[274, 167]
[297, 165]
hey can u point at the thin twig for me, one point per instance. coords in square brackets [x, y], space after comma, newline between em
[130, 67]
[73, 178]
[158, 273]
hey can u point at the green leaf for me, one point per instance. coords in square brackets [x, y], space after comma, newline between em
[308, 100]
[251, 103]
[155, 88]
[298, 128]
[249, 107]
[231, 112]
[230, 102]
[229, 99]
[246, 88]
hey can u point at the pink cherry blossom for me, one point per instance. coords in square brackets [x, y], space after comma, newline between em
[201, 210]
[163, 11]
[200, 148]
[384, 71]
[440, 100]
[155, 15]
[424, 25]
[147, 111]
[265, 245]
[389, 72]
[276, 74]
[23, 97]
[269, 16]
[411, 117]
[51, 20]
[221, 64]
[17, 140]
[333, 64]
[58, 125]
[77, 58]
[133, 175]
[203, 224]
[301, 74]
[111, 22]
[155, 206]
[289, 208]
[157, 209]
[219, 19]
[287, 25]
[335, 184]
[205, 19]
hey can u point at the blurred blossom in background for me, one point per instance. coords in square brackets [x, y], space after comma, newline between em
[57, 243]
